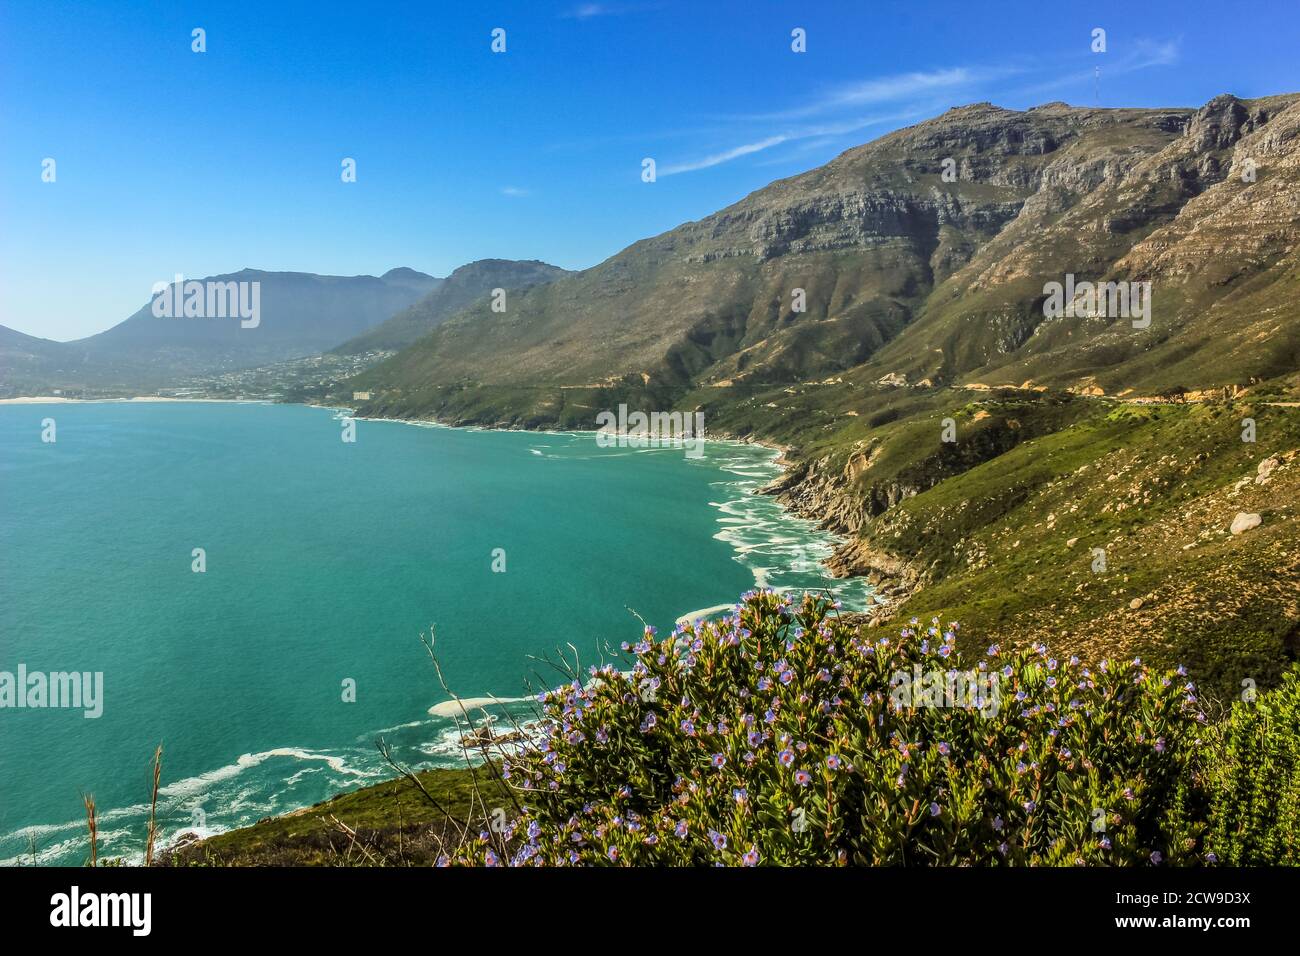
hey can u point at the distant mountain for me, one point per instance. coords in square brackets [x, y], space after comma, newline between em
[462, 288]
[24, 359]
[299, 314]
[18, 346]
[925, 256]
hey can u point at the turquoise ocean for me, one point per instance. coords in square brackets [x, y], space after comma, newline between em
[325, 561]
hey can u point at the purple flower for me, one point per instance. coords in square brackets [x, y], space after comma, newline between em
[751, 858]
[786, 757]
[682, 828]
[935, 809]
[718, 760]
[833, 762]
[718, 840]
[802, 777]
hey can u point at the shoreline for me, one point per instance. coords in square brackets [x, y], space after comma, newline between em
[798, 487]
[778, 456]
[137, 399]
[800, 490]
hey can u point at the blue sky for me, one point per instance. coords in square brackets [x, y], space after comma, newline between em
[173, 161]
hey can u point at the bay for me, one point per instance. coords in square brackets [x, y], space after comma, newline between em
[324, 563]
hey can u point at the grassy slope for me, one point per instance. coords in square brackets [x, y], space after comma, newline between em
[983, 523]
[1156, 488]
[394, 822]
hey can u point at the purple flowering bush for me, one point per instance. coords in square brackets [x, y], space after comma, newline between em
[783, 735]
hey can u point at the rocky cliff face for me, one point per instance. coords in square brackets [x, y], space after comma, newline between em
[812, 490]
[926, 254]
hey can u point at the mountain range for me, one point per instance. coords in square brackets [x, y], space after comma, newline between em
[919, 276]
[1121, 471]
[301, 315]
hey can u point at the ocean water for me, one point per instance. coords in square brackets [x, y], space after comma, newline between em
[325, 561]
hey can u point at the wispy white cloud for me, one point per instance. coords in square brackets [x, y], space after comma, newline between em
[875, 91]
[892, 89]
[1140, 55]
[515, 191]
[589, 11]
[797, 149]
[726, 156]
[915, 95]
[1147, 53]
[585, 11]
[823, 131]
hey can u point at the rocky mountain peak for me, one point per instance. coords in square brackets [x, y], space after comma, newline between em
[1219, 123]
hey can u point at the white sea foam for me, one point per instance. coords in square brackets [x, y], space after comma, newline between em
[781, 550]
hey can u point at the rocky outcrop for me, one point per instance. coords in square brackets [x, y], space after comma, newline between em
[812, 490]
[815, 490]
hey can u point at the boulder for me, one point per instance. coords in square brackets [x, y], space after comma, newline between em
[1244, 522]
